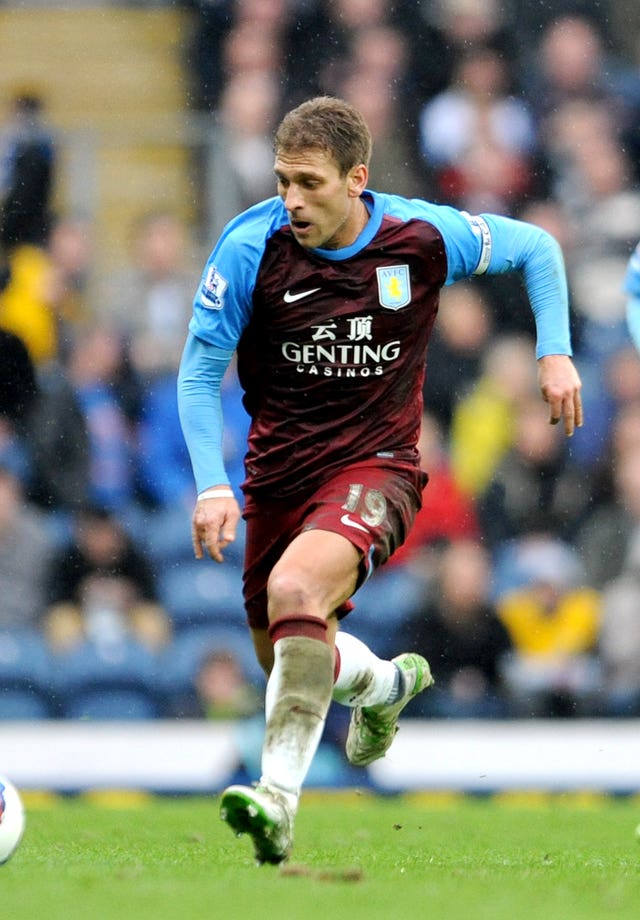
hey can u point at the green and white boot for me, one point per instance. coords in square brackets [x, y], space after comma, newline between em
[373, 728]
[265, 815]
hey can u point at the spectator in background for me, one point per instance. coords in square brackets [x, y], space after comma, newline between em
[447, 513]
[41, 424]
[483, 423]
[58, 438]
[71, 253]
[619, 641]
[603, 207]
[380, 54]
[222, 689]
[372, 84]
[27, 304]
[553, 621]
[460, 632]
[339, 25]
[571, 63]
[441, 32]
[99, 373]
[457, 348]
[248, 111]
[211, 23]
[27, 169]
[18, 395]
[45, 296]
[26, 549]
[253, 46]
[165, 478]
[535, 486]
[149, 301]
[102, 584]
[477, 138]
[603, 539]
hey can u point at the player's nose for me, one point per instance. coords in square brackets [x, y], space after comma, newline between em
[293, 199]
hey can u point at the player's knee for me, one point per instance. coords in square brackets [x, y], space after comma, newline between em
[288, 593]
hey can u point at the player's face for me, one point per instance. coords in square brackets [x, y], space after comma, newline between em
[325, 209]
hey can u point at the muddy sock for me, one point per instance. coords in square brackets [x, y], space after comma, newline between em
[363, 679]
[298, 697]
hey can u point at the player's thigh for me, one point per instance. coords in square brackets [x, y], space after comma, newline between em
[317, 573]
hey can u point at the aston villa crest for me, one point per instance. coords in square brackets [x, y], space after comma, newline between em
[394, 287]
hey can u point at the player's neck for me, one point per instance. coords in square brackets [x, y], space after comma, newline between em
[361, 219]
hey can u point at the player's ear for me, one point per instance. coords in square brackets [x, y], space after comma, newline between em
[357, 180]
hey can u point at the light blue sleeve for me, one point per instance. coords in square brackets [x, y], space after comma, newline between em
[222, 304]
[494, 245]
[523, 247]
[632, 277]
[221, 310]
[201, 371]
[632, 288]
[633, 320]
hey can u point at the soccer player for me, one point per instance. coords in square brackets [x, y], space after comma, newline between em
[328, 292]
[632, 288]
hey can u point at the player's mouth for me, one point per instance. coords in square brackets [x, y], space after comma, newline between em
[301, 227]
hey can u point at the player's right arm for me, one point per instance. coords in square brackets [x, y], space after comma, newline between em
[632, 289]
[221, 310]
[216, 514]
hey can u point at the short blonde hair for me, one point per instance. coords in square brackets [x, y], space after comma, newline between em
[329, 124]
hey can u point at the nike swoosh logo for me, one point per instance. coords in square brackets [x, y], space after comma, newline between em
[345, 519]
[291, 298]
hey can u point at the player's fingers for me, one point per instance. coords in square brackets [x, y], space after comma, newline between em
[215, 544]
[555, 410]
[579, 413]
[214, 552]
[228, 535]
[569, 418]
[196, 542]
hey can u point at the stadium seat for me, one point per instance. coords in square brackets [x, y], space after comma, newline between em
[24, 705]
[106, 703]
[383, 608]
[164, 535]
[203, 593]
[391, 595]
[104, 682]
[26, 676]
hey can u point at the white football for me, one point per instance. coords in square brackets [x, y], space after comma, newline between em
[11, 819]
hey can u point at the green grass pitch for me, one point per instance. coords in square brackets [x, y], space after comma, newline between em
[563, 857]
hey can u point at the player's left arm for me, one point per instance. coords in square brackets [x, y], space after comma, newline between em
[519, 246]
[492, 244]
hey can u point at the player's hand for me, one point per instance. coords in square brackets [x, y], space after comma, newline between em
[560, 386]
[213, 526]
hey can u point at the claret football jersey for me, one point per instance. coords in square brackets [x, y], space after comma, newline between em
[331, 344]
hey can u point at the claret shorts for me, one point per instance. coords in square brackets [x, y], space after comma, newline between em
[372, 506]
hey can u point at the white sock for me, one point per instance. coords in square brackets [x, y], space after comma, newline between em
[363, 679]
[296, 703]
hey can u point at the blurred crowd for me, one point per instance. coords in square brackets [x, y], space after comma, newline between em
[521, 579]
